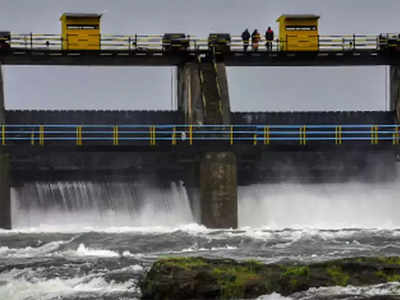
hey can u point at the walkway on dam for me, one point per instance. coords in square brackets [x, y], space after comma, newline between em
[73, 135]
[147, 50]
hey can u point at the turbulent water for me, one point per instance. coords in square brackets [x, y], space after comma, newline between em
[94, 242]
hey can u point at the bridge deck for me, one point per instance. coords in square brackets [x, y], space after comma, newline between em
[149, 50]
[159, 58]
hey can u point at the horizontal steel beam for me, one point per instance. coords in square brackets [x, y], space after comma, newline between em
[158, 58]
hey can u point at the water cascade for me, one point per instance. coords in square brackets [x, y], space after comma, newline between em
[323, 205]
[106, 204]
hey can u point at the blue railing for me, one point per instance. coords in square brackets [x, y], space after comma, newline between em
[80, 134]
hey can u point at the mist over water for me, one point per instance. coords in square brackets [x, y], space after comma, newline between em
[76, 204]
[350, 204]
[85, 240]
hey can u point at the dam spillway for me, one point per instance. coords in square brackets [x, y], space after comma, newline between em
[203, 100]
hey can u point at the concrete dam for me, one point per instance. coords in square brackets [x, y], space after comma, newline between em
[203, 145]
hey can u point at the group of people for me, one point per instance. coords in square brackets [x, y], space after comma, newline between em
[255, 39]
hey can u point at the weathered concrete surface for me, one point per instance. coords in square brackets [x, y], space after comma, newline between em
[218, 190]
[2, 109]
[5, 205]
[203, 98]
[189, 93]
[395, 91]
[203, 94]
[144, 117]
[313, 117]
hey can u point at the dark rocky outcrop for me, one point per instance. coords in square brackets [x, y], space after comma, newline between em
[201, 278]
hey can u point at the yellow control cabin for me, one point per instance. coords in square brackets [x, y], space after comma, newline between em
[298, 32]
[80, 31]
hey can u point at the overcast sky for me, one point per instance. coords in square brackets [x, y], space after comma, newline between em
[261, 88]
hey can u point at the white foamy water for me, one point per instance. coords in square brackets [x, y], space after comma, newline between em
[352, 292]
[330, 205]
[43, 250]
[273, 296]
[84, 251]
[23, 284]
[87, 205]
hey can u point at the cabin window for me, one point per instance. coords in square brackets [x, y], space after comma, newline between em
[302, 28]
[82, 27]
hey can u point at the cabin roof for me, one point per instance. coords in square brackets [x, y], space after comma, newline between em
[298, 17]
[81, 15]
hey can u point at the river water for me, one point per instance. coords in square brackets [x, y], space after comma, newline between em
[94, 242]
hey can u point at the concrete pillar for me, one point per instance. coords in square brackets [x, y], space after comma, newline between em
[218, 190]
[5, 204]
[203, 94]
[189, 93]
[395, 91]
[203, 97]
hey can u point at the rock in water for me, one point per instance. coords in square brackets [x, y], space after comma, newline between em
[202, 278]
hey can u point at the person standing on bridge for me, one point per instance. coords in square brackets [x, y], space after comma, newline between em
[255, 39]
[245, 38]
[269, 37]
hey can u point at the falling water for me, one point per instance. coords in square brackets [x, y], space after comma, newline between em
[107, 204]
[348, 204]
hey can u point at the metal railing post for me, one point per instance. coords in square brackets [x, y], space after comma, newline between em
[79, 136]
[41, 135]
[115, 136]
[33, 138]
[266, 135]
[136, 41]
[174, 136]
[3, 134]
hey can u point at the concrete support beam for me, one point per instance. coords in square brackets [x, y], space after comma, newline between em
[5, 203]
[395, 90]
[203, 98]
[218, 190]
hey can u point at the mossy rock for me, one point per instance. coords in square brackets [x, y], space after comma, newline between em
[202, 278]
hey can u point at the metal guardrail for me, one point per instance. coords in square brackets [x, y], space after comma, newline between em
[153, 42]
[81, 134]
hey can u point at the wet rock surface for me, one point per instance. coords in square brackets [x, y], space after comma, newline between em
[202, 278]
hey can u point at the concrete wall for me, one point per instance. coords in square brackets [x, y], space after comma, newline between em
[314, 117]
[94, 117]
[395, 90]
[5, 205]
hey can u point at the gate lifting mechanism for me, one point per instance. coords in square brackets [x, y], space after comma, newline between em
[230, 134]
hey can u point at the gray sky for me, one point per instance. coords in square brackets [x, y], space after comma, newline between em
[361, 88]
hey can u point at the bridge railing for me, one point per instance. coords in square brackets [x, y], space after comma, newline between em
[153, 42]
[125, 134]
